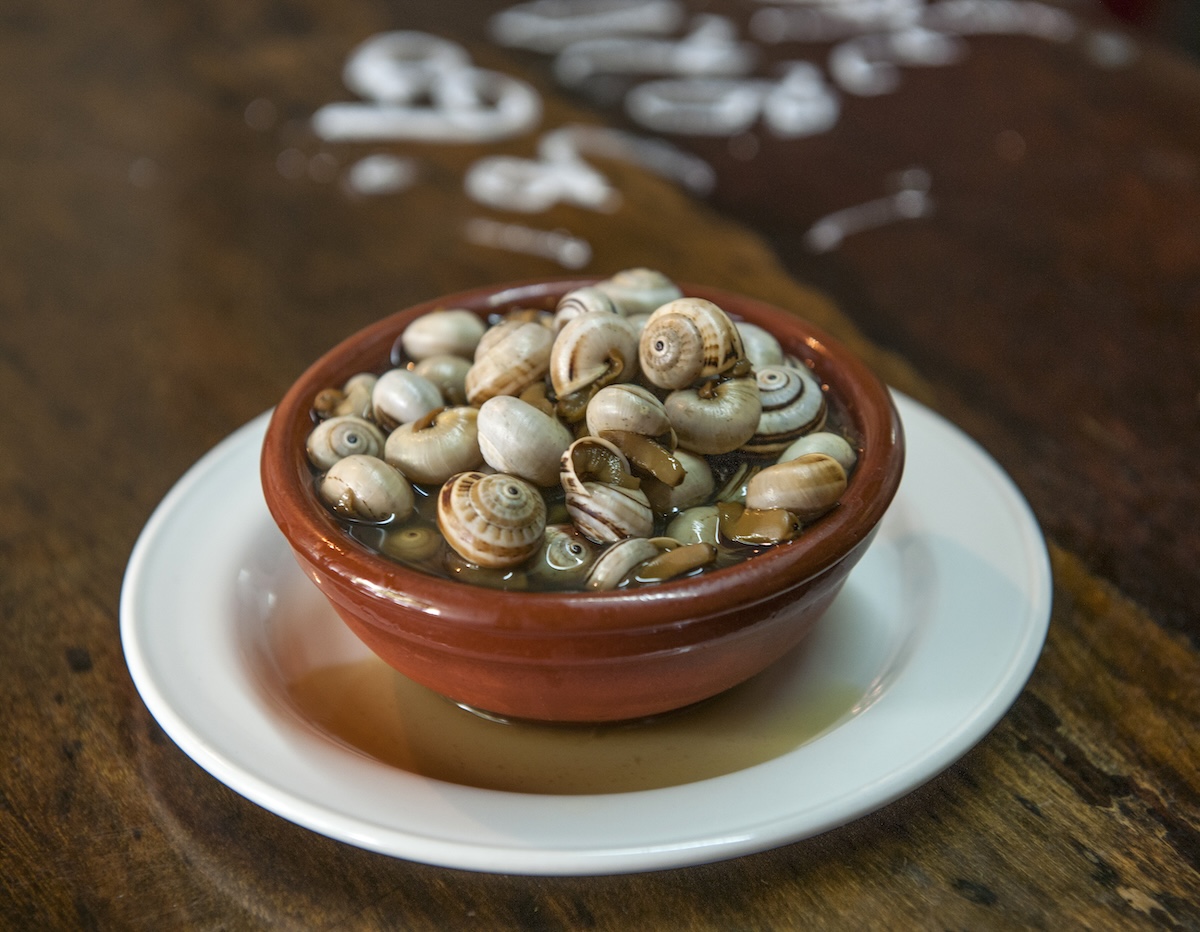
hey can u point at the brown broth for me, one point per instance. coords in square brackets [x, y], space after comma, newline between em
[373, 709]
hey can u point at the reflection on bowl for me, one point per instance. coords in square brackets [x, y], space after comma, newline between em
[586, 656]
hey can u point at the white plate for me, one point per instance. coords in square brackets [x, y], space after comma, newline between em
[928, 645]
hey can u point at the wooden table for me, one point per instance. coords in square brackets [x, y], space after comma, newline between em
[176, 245]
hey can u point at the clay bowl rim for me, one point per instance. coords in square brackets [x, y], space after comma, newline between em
[316, 535]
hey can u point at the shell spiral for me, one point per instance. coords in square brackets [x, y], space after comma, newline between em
[792, 405]
[688, 339]
[494, 521]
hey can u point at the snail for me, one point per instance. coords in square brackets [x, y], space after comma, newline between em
[412, 542]
[602, 496]
[591, 351]
[618, 561]
[341, 436]
[510, 364]
[453, 332]
[762, 349]
[352, 398]
[696, 487]
[434, 448]
[564, 559]
[822, 441]
[808, 486]
[491, 520]
[365, 488]
[448, 373]
[518, 438]
[585, 300]
[401, 396]
[686, 340]
[717, 417]
[697, 524]
[639, 290]
[631, 407]
[793, 404]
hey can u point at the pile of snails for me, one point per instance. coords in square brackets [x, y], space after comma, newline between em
[631, 435]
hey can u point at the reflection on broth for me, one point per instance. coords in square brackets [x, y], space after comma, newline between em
[372, 708]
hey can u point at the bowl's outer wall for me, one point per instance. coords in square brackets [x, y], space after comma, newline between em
[584, 656]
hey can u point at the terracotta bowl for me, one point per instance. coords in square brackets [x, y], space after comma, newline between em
[585, 657]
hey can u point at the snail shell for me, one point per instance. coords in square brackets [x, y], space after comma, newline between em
[716, 417]
[807, 487]
[401, 396]
[366, 488]
[826, 442]
[494, 520]
[592, 349]
[619, 560]
[627, 407]
[688, 339]
[602, 497]
[510, 364]
[639, 290]
[342, 436]
[412, 542]
[696, 487]
[436, 447]
[453, 332]
[792, 405]
[564, 559]
[585, 300]
[762, 349]
[516, 437]
[695, 525]
[448, 373]
[352, 398]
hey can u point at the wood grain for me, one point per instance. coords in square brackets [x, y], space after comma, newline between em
[161, 282]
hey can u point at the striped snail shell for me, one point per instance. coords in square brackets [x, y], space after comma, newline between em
[511, 363]
[585, 300]
[602, 497]
[492, 520]
[793, 404]
[686, 340]
[592, 349]
[807, 486]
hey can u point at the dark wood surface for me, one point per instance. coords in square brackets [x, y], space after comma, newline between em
[168, 265]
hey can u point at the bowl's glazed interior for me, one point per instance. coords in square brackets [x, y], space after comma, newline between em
[586, 656]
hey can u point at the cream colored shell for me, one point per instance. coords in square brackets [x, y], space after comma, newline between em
[627, 407]
[591, 349]
[808, 486]
[639, 290]
[716, 418]
[510, 364]
[401, 396]
[516, 437]
[366, 488]
[492, 520]
[453, 332]
[688, 339]
[341, 436]
[435, 448]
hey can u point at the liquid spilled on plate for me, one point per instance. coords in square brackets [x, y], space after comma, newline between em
[377, 711]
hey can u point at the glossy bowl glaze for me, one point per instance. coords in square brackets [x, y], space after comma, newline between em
[585, 657]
